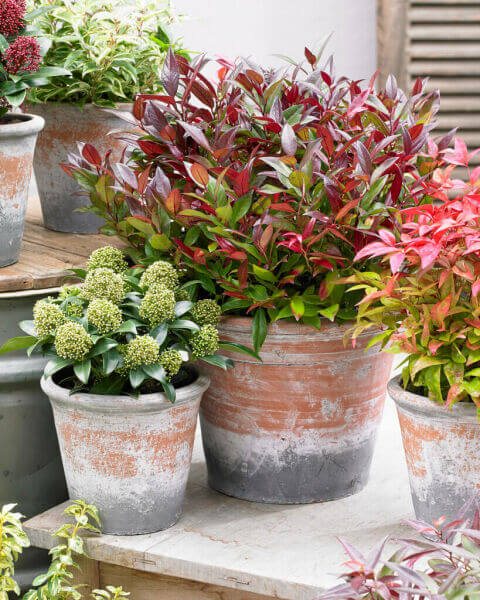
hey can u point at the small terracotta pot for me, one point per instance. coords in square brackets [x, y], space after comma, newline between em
[442, 448]
[129, 457]
[67, 124]
[299, 427]
[18, 134]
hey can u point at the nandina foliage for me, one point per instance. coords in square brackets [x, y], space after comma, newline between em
[265, 184]
[444, 566]
[428, 297]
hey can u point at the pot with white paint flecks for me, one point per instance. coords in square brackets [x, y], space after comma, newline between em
[130, 457]
[18, 136]
[442, 450]
[300, 426]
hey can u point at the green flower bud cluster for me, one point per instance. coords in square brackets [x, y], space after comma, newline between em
[47, 318]
[158, 305]
[104, 315]
[206, 312]
[69, 290]
[142, 350]
[204, 342]
[104, 283]
[108, 258]
[72, 341]
[171, 361]
[160, 272]
[181, 295]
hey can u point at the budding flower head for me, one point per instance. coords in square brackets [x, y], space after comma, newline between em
[72, 341]
[206, 312]
[47, 318]
[181, 295]
[72, 294]
[160, 272]
[104, 315]
[204, 342]
[171, 361]
[158, 306]
[142, 350]
[23, 54]
[109, 258]
[11, 17]
[104, 283]
[69, 290]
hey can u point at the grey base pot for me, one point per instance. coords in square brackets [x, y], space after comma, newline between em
[442, 450]
[18, 134]
[129, 457]
[31, 472]
[65, 126]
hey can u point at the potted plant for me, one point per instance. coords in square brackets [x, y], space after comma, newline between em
[427, 301]
[114, 50]
[124, 393]
[264, 186]
[20, 69]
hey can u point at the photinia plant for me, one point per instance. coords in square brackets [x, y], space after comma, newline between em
[427, 298]
[265, 184]
[20, 55]
[125, 330]
[444, 566]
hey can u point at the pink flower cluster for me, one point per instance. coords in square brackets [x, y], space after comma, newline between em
[22, 55]
[11, 17]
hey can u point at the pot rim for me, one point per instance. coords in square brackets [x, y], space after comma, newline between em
[122, 404]
[87, 105]
[29, 126]
[284, 327]
[421, 405]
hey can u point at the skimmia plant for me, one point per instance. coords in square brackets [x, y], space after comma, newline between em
[124, 330]
[113, 49]
[57, 583]
[21, 51]
[444, 566]
[265, 184]
[428, 296]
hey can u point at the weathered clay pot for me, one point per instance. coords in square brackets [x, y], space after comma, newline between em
[18, 135]
[299, 427]
[65, 125]
[442, 448]
[129, 457]
[31, 471]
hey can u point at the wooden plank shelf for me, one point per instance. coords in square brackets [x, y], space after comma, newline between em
[45, 255]
[232, 549]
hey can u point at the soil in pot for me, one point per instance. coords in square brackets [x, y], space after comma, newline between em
[442, 450]
[128, 456]
[18, 135]
[299, 427]
[65, 125]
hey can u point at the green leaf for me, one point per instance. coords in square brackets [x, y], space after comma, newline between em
[3, 44]
[128, 327]
[240, 208]
[184, 324]
[240, 348]
[424, 362]
[110, 361]
[155, 372]
[159, 333]
[330, 313]
[103, 345]
[18, 343]
[82, 370]
[259, 328]
[298, 308]
[160, 241]
[137, 377]
[169, 391]
[51, 72]
[141, 226]
[264, 274]
[55, 365]
[219, 361]
[183, 307]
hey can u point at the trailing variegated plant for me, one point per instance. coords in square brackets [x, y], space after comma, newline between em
[265, 184]
[428, 297]
[124, 330]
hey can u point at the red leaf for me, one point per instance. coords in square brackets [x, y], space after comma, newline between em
[91, 155]
[310, 57]
[200, 174]
[241, 184]
[172, 203]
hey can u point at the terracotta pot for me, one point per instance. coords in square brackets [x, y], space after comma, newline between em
[129, 457]
[442, 448]
[299, 427]
[18, 134]
[67, 124]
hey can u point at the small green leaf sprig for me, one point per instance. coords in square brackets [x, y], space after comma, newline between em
[124, 330]
[12, 542]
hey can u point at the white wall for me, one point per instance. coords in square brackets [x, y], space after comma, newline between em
[260, 28]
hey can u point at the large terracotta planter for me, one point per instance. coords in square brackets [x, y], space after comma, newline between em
[299, 427]
[129, 457]
[442, 448]
[65, 125]
[18, 135]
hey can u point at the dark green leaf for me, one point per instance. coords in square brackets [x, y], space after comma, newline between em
[82, 370]
[259, 328]
[155, 372]
[234, 347]
[219, 361]
[55, 365]
[103, 345]
[137, 377]
[183, 307]
[18, 343]
[184, 324]
[159, 333]
[169, 391]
